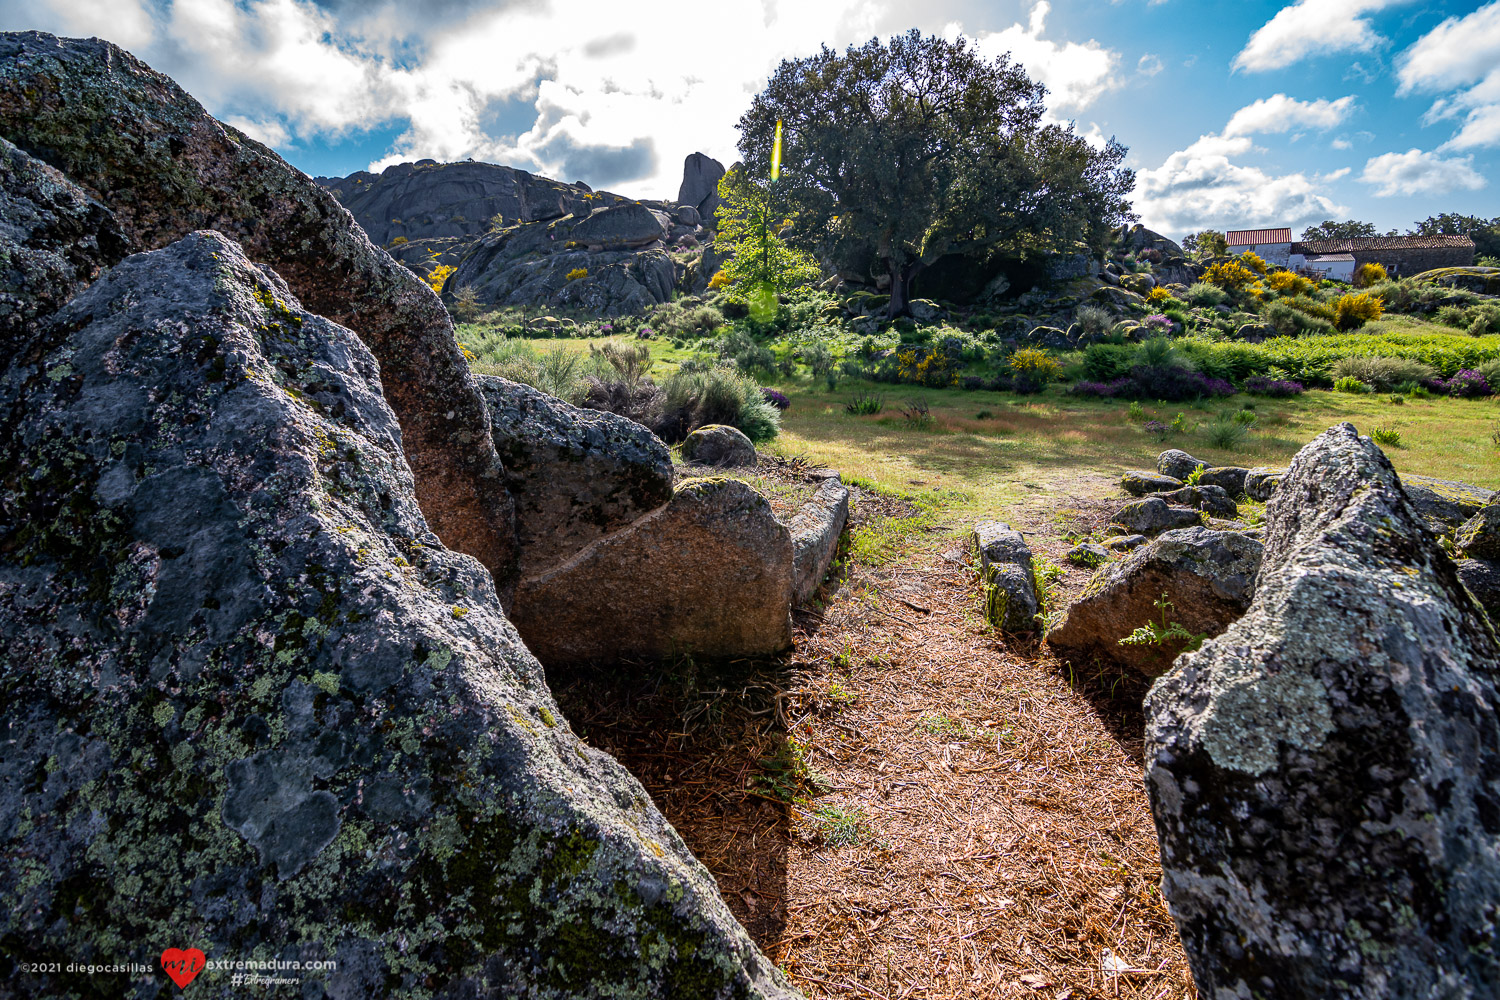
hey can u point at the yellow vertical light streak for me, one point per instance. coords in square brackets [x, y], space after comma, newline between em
[776, 153]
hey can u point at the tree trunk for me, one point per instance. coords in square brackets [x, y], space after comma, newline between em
[901, 276]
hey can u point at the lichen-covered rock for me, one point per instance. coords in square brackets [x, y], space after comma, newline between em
[1208, 576]
[1088, 554]
[252, 705]
[719, 445]
[1481, 577]
[816, 528]
[709, 574]
[1178, 464]
[1479, 536]
[1228, 478]
[1323, 773]
[1212, 500]
[1125, 543]
[576, 474]
[150, 153]
[1139, 483]
[54, 241]
[628, 225]
[1445, 505]
[1007, 577]
[700, 184]
[1261, 483]
[1153, 515]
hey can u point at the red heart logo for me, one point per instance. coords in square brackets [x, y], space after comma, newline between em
[182, 966]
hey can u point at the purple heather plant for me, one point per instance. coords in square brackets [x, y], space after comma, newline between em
[1466, 383]
[1262, 386]
[1158, 323]
[1156, 427]
[775, 398]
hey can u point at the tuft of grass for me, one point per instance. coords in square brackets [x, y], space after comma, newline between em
[837, 826]
[865, 404]
[1386, 436]
[1226, 433]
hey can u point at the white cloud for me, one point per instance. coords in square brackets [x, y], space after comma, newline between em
[1415, 172]
[1280, 113]
[1075, 73]
[1202, 186]
[1341, 143]
[1309, 28]
[1460, 56]
[128, 22]
[1149, 65]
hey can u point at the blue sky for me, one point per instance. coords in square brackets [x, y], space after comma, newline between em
[1237, 115]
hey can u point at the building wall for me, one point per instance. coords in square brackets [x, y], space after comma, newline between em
[1273, 253]
[1409, 262]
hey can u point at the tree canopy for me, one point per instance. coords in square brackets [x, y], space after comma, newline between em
[1484, 232]
[750, 221]
[1208, 243]
[1331, 230]
[896, 154]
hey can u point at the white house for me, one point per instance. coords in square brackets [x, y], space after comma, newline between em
[1336, 266]
[1274, 246]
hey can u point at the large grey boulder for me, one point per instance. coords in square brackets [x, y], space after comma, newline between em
[720, 445]
[1007, 577]
[576, 474]
[54, 241]
[1479, 536]
[1213, 500]
[146, 150]
[1481, 577]
[709, 574]
[816, 529]
[254, 706]
[1228, 478]
[628, 225]
[1444, 504]
[1178, 464]
[700, 185]
[1153, 515]
[1139, 483]
[1207, 575]
[1323, 774]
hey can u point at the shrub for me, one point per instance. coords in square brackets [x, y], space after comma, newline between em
[1289, 320]
[1205, 295]
[438, 275]
[1350, 384]
[1386, 436]
[1384, 374]
[1032, 369]
[917, 413]
[1490, 372]
[1354, 310]
[818, 358]
[1262, 386]
[1156, 323]
[1290, 283]
[576, 273]
[558, 372]
[1466, 383]
[775, 398]
[864, 404]
[1102, 390]
[465, 306]
[1312, 306]
[1252, 261]
[720, 395]
[1155, 428]
[1095, 321]
[1106, 362]
[1229, 275]
[398, 241]
[1368, 274]
[721, 279]
[1452, 316]
[740, 347]
[932, 367]
[1226, 433]
[629, 361]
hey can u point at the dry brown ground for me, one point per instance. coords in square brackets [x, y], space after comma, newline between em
[909, 805]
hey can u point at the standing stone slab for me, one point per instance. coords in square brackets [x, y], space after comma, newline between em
[250, 704]
[1007, 576]
[576, 474]
[1208, 576]
[816, 529]
[709, 574]
[145, 149]
[1323, 774]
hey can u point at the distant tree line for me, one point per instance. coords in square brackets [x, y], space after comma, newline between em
[1484, 232]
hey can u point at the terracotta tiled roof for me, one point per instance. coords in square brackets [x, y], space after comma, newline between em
[1382, 243]
[1251, 237]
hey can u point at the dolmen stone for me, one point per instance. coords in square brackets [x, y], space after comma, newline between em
[147, 151]
[1323, 774]
[1153, 515]
[719, 445]
[1179, 464]
[1212, 500]
[816, 529]
[709, 573]
[1139, 483]
[1207, 575]
[253, 704]
[576, 474]
[1007, 577]
[1230, 479]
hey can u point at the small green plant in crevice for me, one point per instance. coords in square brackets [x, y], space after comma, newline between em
[864, 404]
[837, 826]
[1166, 635]
[1194, 477]
[1386, 436]
[1046, 577]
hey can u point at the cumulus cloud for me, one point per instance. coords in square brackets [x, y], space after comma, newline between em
[1280, 113]
[1416, 172]
[1311, 28]
[1202, 186]
[1075, 73]
[1460, 59]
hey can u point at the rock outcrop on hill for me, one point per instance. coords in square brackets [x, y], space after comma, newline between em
[136, 142]
[254, 706]
[428, 199]
[1323, 773]
[54, 241]
[700, 185]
